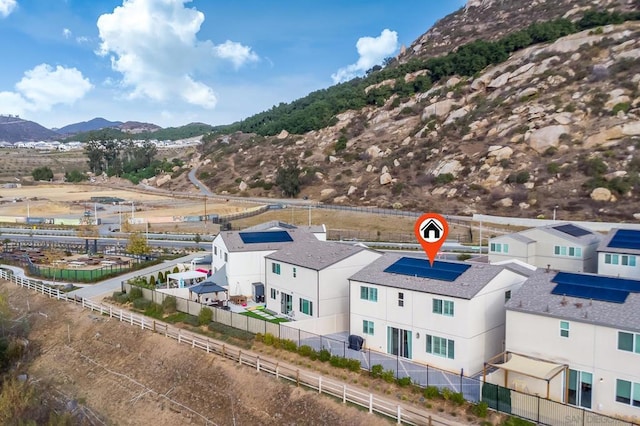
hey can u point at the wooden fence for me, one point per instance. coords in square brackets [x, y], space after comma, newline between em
[323, 385]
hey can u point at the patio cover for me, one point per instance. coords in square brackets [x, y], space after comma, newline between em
[187, 275]
[206, 287]
[531, 367]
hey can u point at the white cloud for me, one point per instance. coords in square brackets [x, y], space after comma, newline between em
[372, 51]
[66, 32]
[6, 7]
[236, 53]
[43, 87]
[154, 45]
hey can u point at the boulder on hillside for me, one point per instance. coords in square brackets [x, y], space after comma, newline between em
[601, 194]
[439, 109]
[385, 179]
[542, 139]
[283, 134]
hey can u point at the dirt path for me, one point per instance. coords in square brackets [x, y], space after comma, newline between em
[128, 376]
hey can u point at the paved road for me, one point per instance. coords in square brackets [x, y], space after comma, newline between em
[201, 186]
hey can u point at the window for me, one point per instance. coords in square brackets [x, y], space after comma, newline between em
[626, 260]
[400, 299]
[629, 342]
[440, 346]
[275, 268]
[226, 257]
[306, 306]
[367, 327]
[612, 259]
[499, 248]
[628, 392]
[507, 295]
[215, 250]
[564, 328]
[273, 293]
[295, 272]
[369, 293]
[443, 307]
[567, 251]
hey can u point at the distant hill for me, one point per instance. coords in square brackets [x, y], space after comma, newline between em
[87, 126]
[14, 129]
[146, 131]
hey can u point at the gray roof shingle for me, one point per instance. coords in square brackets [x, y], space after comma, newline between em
[234, 243]
[316, 255]
[535, 297]
[466, 286]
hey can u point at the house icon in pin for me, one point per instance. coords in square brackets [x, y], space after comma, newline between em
[431, 231]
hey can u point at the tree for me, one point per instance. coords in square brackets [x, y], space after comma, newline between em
[42, 173]
[138, 244]
[288, 178]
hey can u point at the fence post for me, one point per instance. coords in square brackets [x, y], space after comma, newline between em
[319, 384]
[538, 416]
[299, 339]
[344, 394]
[399, 415]
[370, 403]
[427, 374]
[258, 363]
[344, 349]
[498, 398]
[461, 374]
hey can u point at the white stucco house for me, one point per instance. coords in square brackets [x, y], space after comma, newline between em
[575, 338]
[451, 315]
[562, 247]
[309, 279]
[619, 253]
[237, 257]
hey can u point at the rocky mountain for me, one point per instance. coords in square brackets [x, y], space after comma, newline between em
[88, 126]
[554, 126]
[14, 129]
[492, 19]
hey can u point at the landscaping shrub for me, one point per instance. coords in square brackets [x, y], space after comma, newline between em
[305, 350]
[431, 392]
[388, 376]
[353, 365]
[481, 409]
[458, 398]
[120, 297]
[404, 381]
[141, 304]
[289, 345]
[324, 355]
[154, 310]
[135, 293]
[152, 281]
[376, 370]
[175, 270]
[205, 316]
[269, 339]
[447, 394]
[169, 305]
[337, 361]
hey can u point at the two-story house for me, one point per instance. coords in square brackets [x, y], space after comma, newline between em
[590, 325]
[562, 246]
[309, 279]
[619, 253]
[450, 315]
[238, 256]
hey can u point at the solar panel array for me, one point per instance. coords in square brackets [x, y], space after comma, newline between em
[265, 237]
[594, 287]
[625, 239]
[413, 267]
[572, 230]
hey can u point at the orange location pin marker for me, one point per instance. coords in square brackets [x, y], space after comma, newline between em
[431, 230]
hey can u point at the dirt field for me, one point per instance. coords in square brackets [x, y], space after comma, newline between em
[126, 376]
[68, 200]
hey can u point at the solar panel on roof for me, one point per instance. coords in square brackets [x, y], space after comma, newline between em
[597, 281]
[591, 293]
[413, 267]
[572, 230]
[265, 237]
[625, 239]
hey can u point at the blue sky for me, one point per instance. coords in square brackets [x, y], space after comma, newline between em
[173, 62]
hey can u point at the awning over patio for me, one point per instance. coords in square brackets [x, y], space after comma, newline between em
[206, 287]
[187, 275]
[531, 367]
